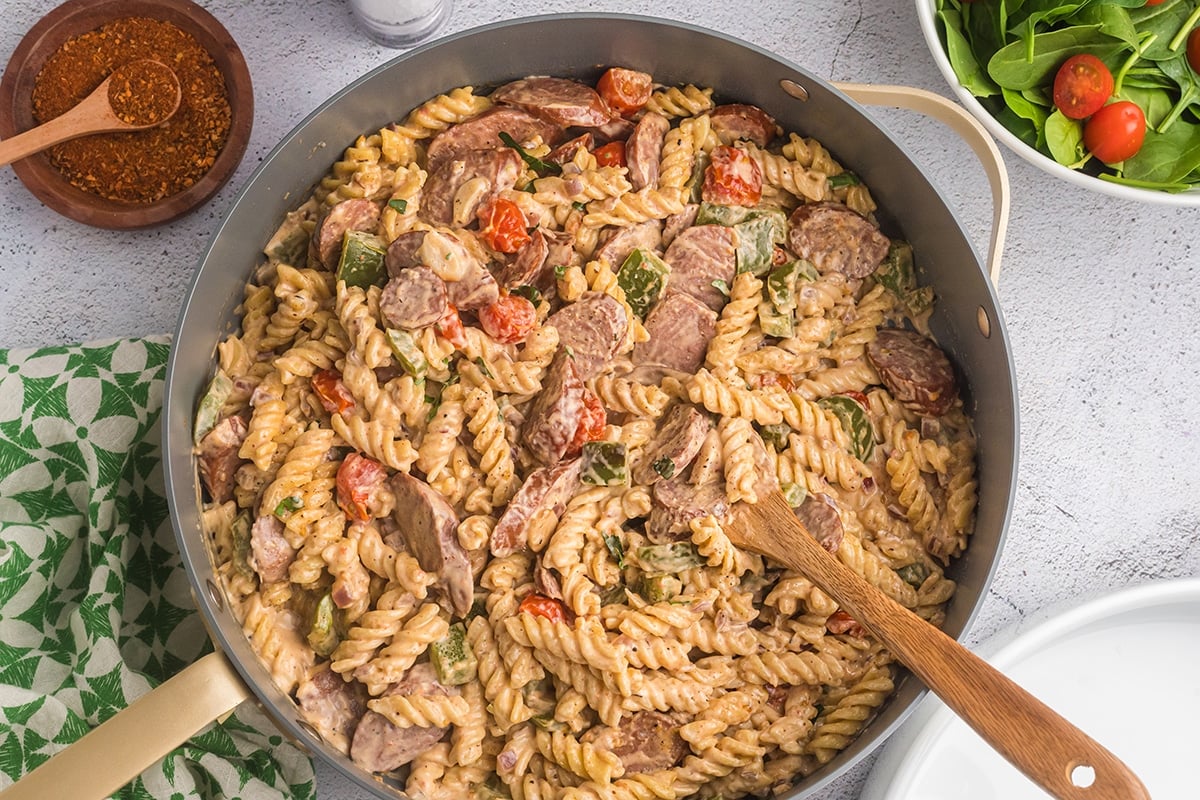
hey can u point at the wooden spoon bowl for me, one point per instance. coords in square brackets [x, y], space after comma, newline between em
[76, 17]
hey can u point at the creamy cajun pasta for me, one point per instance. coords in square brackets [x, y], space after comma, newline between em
[499, 385]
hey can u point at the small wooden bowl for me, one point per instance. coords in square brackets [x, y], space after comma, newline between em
[80, 16]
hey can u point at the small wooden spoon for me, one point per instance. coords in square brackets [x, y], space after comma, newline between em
[1052, 752]
[95, 114]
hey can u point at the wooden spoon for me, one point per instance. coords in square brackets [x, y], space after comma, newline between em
[95, 113]
[1052, 752]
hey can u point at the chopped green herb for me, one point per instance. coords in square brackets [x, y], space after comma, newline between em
[613, 543]
[530, 293]
[483, 367]
[287, 505]
[560, 270]
[844, 179]
[579, 205]
[664, 467]
[399, 205]
[536, 164]
[721, 286]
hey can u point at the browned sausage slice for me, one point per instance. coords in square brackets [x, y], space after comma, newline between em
[270, 553]
[498, 168]
[699, 256]
[644, 148]
[357, 214]
[680, 328]
[914, 369]
[331, 704]
[219, 459]
[820, 517]
[559, 100]
[676, 503]
[645, 742]
[836, 239]
[743, 121]
[677, 223]
[430, 528]
[546, 487]
[475, 290]
[415, 298]
[380, 746]
[483, 133]
[617, 243]
[566, 152]
[402, 253]
[594, 327]
[676, 444]
[555, 413]
[525, 267]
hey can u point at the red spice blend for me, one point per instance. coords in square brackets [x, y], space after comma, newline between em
[138, 167]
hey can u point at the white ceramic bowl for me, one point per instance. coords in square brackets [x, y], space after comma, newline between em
[926, 10]
[1121, 667]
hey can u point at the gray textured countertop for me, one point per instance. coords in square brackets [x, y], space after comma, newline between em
[1100, 295]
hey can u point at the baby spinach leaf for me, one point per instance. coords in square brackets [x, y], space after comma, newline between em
[1166, 157]
[1064, 138]
[1010, 68]
[967, 69]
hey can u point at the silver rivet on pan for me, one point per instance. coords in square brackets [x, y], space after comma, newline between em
[794, 89]
[214, 594]
[984, 322]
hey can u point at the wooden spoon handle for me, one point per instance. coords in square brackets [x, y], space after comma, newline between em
[92, 115]
[1047, 748]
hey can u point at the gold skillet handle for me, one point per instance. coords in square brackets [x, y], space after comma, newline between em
[966, 126]
[111, 755]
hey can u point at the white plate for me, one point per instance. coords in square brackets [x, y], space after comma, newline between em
[1122, 668]
[926, 13]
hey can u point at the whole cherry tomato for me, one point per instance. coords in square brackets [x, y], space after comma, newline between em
[357, 479]
[1082, 86]
[503, 225]
[732, 178]
[450, 327]
[1193, 49]
[332, 393]
[542, 606]
[509, 319]
[625, 90]
[610, 155]
[1115, 132]
[592, 422]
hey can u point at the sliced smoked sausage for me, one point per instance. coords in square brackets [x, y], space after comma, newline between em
[644, 149]
[680, 328]
[617, 243]
[820, 517]
[700, 255]
[676, 503]
[496, 169]
[594, 327]
[647, 741]
[430, 528]
[483, 133]
[836, 239]
[415, 298]
[551, 422]
[914, 369]
[546, 487]
[356, 214]
[677, 443]
[559, 100]
[743, 121]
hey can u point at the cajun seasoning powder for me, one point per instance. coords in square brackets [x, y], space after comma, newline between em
[137, 167]
[142, 92]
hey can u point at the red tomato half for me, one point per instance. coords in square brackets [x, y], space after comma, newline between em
[541, 606]
[1082, 86]
[1155, 2]
[591, 422]
[333, 394]
[509, 319]
[503, 226]
[1115, 132]
[450, 327]
[357, 479]
[1193, 49]
[625, 90]
[610, 155]
[732, 178]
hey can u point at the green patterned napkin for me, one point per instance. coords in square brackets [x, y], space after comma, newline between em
[94, 602]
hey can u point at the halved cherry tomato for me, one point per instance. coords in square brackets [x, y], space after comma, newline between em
[625, 90]
[1193, 49]
[1115, 132]
[1155, 2]
[509, 319]
[332, 393]
[610, 155]
[503, 225]
[450, 327]
[357, 479]
[780, 379]
[841, 622]
[592, 422]
[541, 606]
[732, 178]
[1082, 86]
[859, 398]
